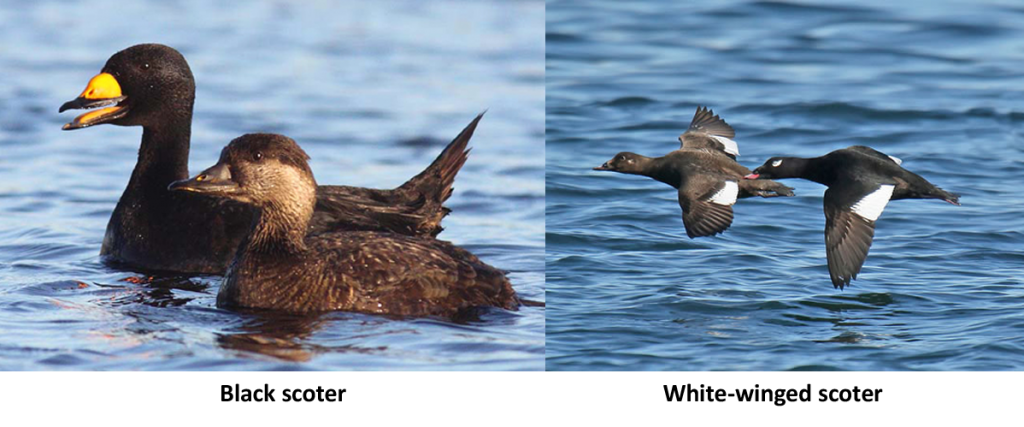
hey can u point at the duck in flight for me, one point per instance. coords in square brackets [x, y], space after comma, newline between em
[861, 181]
[704, 172]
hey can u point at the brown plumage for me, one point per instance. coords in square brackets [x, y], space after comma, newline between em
[704, 172]
[416, 208]
[281, 267]
[151, 86]
[709, 132]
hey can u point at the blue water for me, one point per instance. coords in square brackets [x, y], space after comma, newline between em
[937, 84]
[371, 90]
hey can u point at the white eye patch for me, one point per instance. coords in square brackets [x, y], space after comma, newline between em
[777, 163]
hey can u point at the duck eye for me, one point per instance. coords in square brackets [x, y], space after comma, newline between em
[777, 163]
[145, 66]
[257, 156]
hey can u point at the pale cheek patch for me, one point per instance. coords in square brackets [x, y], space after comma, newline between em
[870, 207]
[730, 146]
[777, 163]
[727, 195]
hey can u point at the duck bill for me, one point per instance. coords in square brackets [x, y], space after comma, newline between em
[102, 93]
[215, 181]
[604, 167]
[752, 176]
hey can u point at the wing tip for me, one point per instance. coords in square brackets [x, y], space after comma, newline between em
[705, 120]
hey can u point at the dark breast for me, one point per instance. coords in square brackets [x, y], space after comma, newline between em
[167, 231]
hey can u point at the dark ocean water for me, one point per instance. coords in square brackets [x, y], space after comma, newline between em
[938, 84]
[371, 90]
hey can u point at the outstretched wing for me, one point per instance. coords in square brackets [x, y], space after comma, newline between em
[708, 131]
[850, 214]
[707, 205]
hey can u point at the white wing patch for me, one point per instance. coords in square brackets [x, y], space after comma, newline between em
[897, 160]
[870, 206]
[727, 195]
[730, 146]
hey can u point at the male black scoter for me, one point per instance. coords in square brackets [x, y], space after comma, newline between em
[151, 85]
[860, 181]
[705, 173]
[279, 266]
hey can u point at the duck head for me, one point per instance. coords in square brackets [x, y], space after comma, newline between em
[139, 86]
[624, 162]
[268, 171]
[778, 167]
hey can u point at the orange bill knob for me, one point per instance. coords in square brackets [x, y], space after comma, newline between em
[102, 91]
[103, 86]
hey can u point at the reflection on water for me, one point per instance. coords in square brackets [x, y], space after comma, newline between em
[282, 337]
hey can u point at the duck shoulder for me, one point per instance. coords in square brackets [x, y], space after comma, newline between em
[708, 161]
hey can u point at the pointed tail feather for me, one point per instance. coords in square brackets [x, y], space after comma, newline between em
[441, 173]
[433, 186]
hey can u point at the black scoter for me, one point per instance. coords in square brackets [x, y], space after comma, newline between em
[151, 86]
[860, 181]
[705, 173]
[279, 266]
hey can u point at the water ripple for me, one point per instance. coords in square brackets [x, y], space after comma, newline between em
[935, 86]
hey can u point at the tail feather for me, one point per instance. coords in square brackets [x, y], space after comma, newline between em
[416, 208]
[439, 176]
[433, 186]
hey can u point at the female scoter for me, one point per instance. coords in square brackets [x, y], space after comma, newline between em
[705, 173]
[279, 266]
[860, 181]
[151, 85]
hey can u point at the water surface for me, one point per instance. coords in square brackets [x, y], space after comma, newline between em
[937, 84]
[372, 91]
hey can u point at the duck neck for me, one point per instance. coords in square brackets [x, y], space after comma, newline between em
[812, 169]
[163, 156]
[278, 230]
[660, 169]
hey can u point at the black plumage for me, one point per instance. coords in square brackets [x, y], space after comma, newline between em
[151, 85]
[705, 173]
[861, 181]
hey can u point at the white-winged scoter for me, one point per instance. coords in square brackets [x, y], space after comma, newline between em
[860, 181]
[705, 173]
